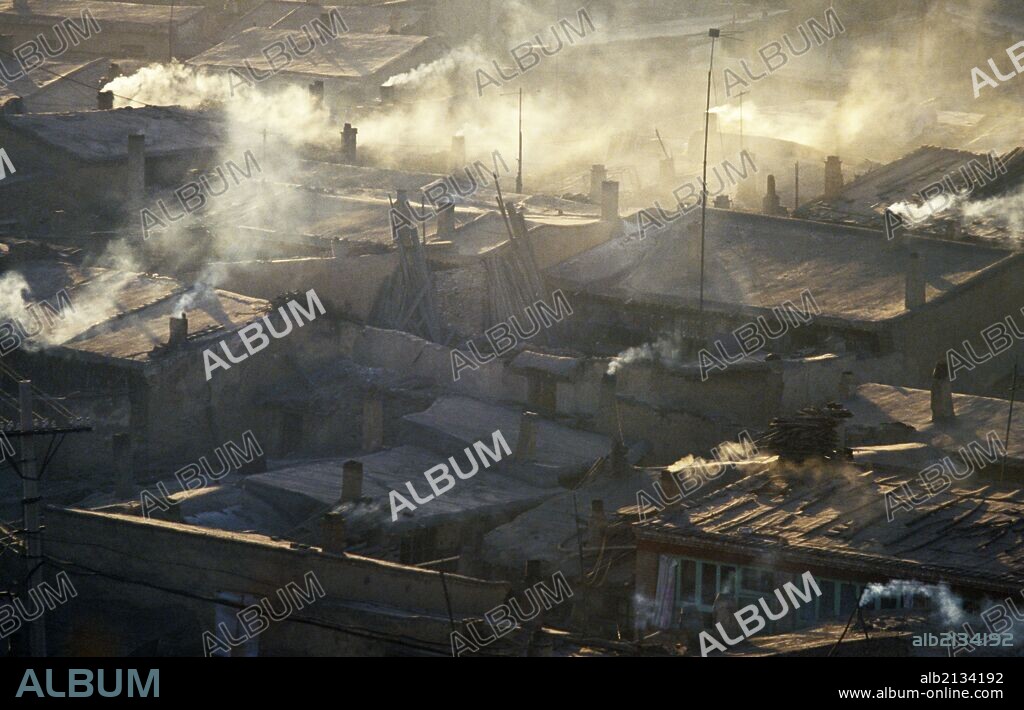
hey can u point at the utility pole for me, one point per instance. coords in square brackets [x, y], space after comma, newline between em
[714, 34]
[30, 503]
[519, 173]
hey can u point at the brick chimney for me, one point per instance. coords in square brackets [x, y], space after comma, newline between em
[833, 177]
[610, 201]
[178, 331]
[348, 144]
[105, 100]
[351, 481]
[915, 286]
[597, 176]
[942, 394]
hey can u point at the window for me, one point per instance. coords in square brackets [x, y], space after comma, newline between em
[756, 580]
[827, 602]
[708, 583]
[727, 581]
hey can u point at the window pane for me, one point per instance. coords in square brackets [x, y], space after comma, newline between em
[827, 605]
[728, 585]
[847, 600]
[707, 583]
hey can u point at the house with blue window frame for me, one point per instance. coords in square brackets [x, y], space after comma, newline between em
[748, 539]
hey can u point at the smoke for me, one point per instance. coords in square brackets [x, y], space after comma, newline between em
[441, 69]
[947, 606]
[666, 350]
[1005, 210]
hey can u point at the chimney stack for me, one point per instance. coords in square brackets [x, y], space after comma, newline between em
[105, 100]
[597, 176]
[942, 394]
[526, 446]
[609, 201]
[332, 532]
[178, 332]
[351, 481]
[446, 222]
[771, 204]
[136, 180]
[387, 93]
[348, 144]
[6, 44]
[915, 292]
[833, 177]
[458, 154]
[394, 22]
[316, 92]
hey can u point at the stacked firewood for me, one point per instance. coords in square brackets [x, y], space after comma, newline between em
[810, 433]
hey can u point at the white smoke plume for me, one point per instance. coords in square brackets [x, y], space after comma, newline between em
[947, 605]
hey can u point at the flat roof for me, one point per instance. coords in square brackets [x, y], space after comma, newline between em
[835, 518]
[756, 261]
[103, 135]
[50, 12]
[350, 56]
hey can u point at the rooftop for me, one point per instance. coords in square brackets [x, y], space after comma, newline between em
[286, 15]
[103, 135]
[49, 12]
[835, 519]
[759, 262]
[350, 56]
[875, 404]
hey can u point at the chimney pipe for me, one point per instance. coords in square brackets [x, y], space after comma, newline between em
[351, 481]
[833, 177]
[136, 166]
[597, 176]
[915, 286]
[387, 93]
[609, 201]
[348, 144]
[105, 100]
[942, 394]
[178, 331]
